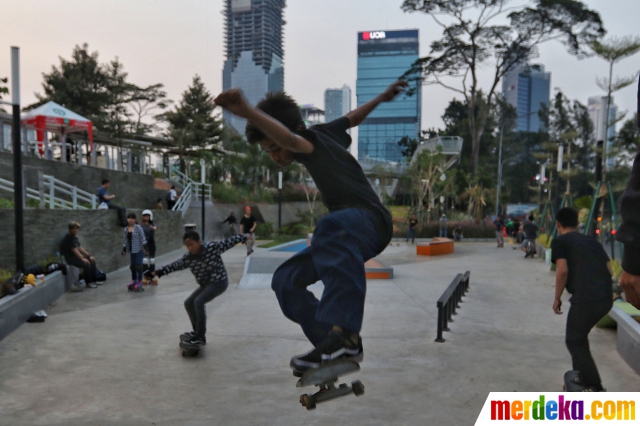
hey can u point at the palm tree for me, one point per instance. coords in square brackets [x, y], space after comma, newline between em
[477, 196]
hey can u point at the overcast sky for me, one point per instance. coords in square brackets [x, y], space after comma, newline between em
[169, 41]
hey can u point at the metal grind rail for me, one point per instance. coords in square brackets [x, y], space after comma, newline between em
[450, 301]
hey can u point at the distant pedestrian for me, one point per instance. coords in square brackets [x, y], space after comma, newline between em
[247, 227]
[411, 232]
[443, 225]
[135, 243]
[499, 224]
[231, 220]
[457, 234]
[149, 227]
[104, 197]
[172, 197]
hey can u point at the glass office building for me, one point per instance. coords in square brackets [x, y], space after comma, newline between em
[254, 54]
[337, 102]
[526, 87]
[383, 56]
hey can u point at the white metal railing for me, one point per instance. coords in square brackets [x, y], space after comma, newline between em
[184, 181]
[46, 194]
[184, 201]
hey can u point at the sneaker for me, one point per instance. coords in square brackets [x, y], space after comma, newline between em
[91, 285]
[187, 336]
[337, 345]
[196, 341]
[99, 282]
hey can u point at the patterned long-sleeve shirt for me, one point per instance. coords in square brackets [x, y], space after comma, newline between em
[138, 240]
[206, 266]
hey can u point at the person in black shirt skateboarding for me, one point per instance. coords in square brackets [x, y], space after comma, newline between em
[247, 228]
[582, 267]
[357, 228]
[205, 262]
[530, 231]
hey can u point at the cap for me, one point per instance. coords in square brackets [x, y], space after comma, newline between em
[73, 225]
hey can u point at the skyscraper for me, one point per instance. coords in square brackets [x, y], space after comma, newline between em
[254, 54]
[383, 56]
[526, 87]
[337, 102]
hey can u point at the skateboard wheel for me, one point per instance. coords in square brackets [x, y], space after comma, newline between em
[307, 401]
[184, 353]
[358, 388]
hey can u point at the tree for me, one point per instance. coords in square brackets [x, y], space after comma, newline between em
[614, 50]
[144, 101]
[192, 124]
[473, 40]
[3, 89]
[426, 173]
[477, 197]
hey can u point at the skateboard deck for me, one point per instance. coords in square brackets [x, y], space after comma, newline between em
[569, 384]
[189, 350]
[325, 377]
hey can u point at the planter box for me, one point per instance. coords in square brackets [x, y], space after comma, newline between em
[16, 309]
[628, 337]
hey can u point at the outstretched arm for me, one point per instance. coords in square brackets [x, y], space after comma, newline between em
[225, 245]
[358, 115]
[233, 101]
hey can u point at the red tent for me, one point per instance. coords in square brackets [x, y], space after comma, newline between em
[56, 118]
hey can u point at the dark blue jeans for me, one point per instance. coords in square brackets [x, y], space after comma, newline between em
[194, 305]
[342, 242]
[136, 265]
[411, 233]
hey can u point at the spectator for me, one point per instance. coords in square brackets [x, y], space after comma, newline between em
[443, 225]
[499, 223]
[159, 205]
[75, 255]
[247, 227]
[135, 243]
[231, 220]
[172, 197]
[629, 232]
[149, 227]
[413, 223]
[457, 234]
[104, 197]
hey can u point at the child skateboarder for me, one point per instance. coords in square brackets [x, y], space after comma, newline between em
[357, 228]
[582, 267]
[206, 265]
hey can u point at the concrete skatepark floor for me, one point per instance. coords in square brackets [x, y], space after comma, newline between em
[110, 357]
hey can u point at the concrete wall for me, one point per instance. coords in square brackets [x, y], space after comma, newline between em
[132, 190]
[99, 235]
[216, 213]
[628, 337]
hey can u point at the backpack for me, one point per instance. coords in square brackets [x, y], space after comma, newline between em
[168, 196]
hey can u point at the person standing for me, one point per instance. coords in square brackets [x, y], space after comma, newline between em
[172, 197]
[136, 244]
[104, 197]
[499, 223]
[443, 226]
[583, 268]
[231, 220]
[629, 231]
[149, 227]
[75, 255]
[411, 232]
[247, 227]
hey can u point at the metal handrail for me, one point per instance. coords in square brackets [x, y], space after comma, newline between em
[184, 201]
[184, 181]
[450, 301]
[48, 194]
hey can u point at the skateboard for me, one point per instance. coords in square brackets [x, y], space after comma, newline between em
[189, 350]
[326, 378]
[569, 384]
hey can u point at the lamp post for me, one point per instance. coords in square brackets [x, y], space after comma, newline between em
[499, 171]
[17, 159]
[279, 200]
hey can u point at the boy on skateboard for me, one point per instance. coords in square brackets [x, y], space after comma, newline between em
[206, 264]
[582, 267]
[357, 228]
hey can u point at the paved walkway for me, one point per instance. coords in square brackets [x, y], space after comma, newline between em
[110, 357]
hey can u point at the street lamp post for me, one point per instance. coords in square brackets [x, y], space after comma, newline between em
[17, 159]
[279, 200]
[499, 172]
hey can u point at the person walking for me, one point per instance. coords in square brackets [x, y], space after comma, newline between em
[443, 226]
[172, 197]
[205, 262]
[135, 243]
[247, 227]
[231, 220]
[411, 232]
[357, 228]
[104, 197]
[583, 269]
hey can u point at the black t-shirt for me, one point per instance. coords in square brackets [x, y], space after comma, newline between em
[413, 223]
[338, 175]
[499, 224]
[530, 231]
[589, 278]
[69, 242]
[149, 233]
[247, 223]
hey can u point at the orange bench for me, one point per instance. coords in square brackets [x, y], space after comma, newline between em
[373, 269]
[436, 247]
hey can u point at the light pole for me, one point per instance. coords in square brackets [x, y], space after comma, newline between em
[499, 171]
[17, 159]
[279, 200]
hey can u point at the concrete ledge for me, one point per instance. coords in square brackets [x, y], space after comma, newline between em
[376, 270]
[16, 309]
[628, 337]
[437, 247]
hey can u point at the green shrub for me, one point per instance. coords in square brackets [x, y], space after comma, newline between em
[264, 230]
[295, 229]
[224, 193]
[5, 275]
[616, 267]
[6, 203]
[432, 229]
[545, 240]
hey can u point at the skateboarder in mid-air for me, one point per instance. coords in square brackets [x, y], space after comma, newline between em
[582, 267]
[206, 264]
[357, 228]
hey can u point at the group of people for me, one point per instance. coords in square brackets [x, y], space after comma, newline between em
[358, 227]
